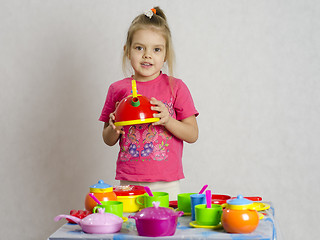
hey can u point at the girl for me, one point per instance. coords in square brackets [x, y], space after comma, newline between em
[151, 154]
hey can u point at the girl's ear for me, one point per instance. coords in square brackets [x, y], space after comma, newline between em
[124, 49]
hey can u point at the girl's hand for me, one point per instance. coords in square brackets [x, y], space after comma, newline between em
[112, 118]
[163, 112]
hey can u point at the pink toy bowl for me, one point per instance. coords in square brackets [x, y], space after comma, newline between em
[98, 223]
[134, 109]
[156, 221]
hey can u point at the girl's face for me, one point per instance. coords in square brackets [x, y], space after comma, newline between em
[147, 54]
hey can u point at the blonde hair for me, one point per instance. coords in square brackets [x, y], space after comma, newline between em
[157, 22]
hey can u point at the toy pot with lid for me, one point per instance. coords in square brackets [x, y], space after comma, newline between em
[134, 109]
[102, 191]
[239, 216]
[99, 223]
[156, 221]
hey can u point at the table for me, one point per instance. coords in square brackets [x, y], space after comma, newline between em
[266, 230]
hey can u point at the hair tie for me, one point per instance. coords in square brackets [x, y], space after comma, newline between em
[149, 13]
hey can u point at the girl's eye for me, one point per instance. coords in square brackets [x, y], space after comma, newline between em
[157, 49]
[139, 48]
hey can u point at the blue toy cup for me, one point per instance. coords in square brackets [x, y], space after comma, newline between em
[196, 199]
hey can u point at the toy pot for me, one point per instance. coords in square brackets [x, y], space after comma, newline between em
[128, 196]
[134, 109]
[156, 221]
[98, 223]
[239, 217]
[102, 191]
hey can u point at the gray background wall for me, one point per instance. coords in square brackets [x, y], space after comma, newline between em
[251, 65]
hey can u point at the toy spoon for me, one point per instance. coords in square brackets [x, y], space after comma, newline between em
[208, 197]
[203, 188]
[148, 191]
[94, 198]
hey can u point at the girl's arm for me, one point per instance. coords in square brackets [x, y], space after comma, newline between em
[186, 129]
[111, 133]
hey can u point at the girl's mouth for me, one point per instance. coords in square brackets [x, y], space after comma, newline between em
[146, 64]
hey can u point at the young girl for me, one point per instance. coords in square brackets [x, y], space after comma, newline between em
[151, 154]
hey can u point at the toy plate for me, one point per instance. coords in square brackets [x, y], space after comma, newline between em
[196, 225]
[124, 219]
[259, 206]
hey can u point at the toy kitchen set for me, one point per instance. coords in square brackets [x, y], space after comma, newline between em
[135, 212]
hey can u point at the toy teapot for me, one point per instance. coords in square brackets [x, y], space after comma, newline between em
[102, 191]
[239, 216]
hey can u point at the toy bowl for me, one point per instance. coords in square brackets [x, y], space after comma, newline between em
[134, 109]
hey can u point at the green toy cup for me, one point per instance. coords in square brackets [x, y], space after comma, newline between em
[114, 207]
[146, 201]
[184, 202]
[208, 216]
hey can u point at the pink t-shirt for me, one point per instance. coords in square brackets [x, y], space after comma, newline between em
[151, 153]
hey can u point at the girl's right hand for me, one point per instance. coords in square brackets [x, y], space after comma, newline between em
[112, 118]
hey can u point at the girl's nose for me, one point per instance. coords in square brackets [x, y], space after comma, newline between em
[147, 54]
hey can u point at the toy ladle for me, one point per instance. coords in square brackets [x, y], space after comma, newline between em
[203, 188]
[148, 190]
[94, 198]
[208, 198]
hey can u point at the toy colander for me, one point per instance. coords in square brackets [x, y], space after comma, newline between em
[134, 109]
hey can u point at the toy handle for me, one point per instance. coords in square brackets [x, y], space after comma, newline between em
[95, 208]
[73, 218]
[134, 88]
[140, 203]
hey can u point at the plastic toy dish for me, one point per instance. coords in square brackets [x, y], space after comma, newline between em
[196, 225]
[173, 204]
[259, 206]
[219, 198]
[97, 223]
[128, 196]
[124, 219]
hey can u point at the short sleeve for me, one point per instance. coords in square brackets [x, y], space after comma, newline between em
[184, 105]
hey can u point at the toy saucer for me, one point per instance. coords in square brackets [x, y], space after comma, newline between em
[124, 219]
[196, 225]
[260, 206]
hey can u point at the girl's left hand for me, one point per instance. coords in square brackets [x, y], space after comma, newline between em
[162, 110]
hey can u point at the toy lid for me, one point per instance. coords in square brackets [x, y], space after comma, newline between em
[129, 190]
[156, 212]
[101, 187]
[239, 203]
[101, 218]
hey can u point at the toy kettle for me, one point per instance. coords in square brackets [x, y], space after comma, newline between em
[102, 191]
[134, 109]
[239, 216]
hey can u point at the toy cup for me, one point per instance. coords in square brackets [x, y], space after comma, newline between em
[114, 207]
[208, 216]
[146, 201]
[184, 202]
[196, 199]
